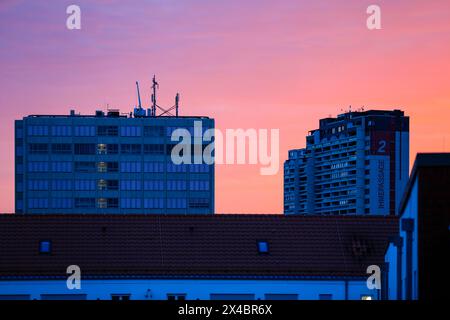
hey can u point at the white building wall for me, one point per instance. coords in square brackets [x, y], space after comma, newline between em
[410, 212]
[194, 289]
[391, 258]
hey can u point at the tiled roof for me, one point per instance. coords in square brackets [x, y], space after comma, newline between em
[193, 245]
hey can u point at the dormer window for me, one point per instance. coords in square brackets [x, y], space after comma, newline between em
[45, 247]
[263, 247]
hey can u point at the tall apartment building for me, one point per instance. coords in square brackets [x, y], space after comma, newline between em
[107, 163]
[357, 163]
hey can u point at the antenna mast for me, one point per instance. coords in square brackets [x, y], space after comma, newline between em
[154, 86]
[177, 102]
[139, 95]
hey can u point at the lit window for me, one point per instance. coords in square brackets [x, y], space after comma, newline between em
[45, 246]
[364, 297]
[102, 203]
[101, 148]
[102, 184]
[102, 167]
[263, 247]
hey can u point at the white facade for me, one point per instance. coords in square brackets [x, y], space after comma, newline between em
[159, 289]
[410, 212]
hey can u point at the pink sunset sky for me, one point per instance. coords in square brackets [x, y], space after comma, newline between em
[248, 64]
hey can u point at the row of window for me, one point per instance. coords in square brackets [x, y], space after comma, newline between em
[44, 166]
[125, 203]
[102, 148]
[125, 167]
[128, 185]
[105, 130]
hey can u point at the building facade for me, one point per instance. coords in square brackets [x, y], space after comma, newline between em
[206, 257]
[357, 163]
[108, 163]
[416, 267]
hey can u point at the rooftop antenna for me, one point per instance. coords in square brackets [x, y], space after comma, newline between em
[154, 86]
[139, 95]
[177, 102]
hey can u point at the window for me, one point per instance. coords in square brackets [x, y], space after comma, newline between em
[84, 148]
[130, 131]
[37, 130]
[153, 167]
[130, 167]
[176, 296]
[38, 203]
[131, 185]
[173, 168]
[130, 148]
[263, 247]
[62, 148]
[176, 203]
[61, 203]
[101, 148]
[61, 131]
[153, 131]
[153, 148]
[101, 184]
[84, 131]
[153, 185]
[84, 202]
[199, 168]
[112, 202]
[35, 185]
[37, 166]
[325, 296]
[102, 203]
[45, 246]
[199, 203]
[38, 148]
[112, 167]
[199, 185]
[130, 203]
[61, 166]
[112, 184]
[154, 203]
[107, 184]
[112, 149]
[366, 297]
[84, 166]
[176, 185]
[102, 167]
[62, 185]
[120, 297]
[107, 131]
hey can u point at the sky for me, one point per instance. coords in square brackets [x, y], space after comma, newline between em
[248, 64]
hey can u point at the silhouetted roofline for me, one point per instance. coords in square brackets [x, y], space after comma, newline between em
[438, 159]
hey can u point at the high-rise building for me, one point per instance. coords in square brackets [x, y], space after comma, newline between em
[357, 163]
[108, 163]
